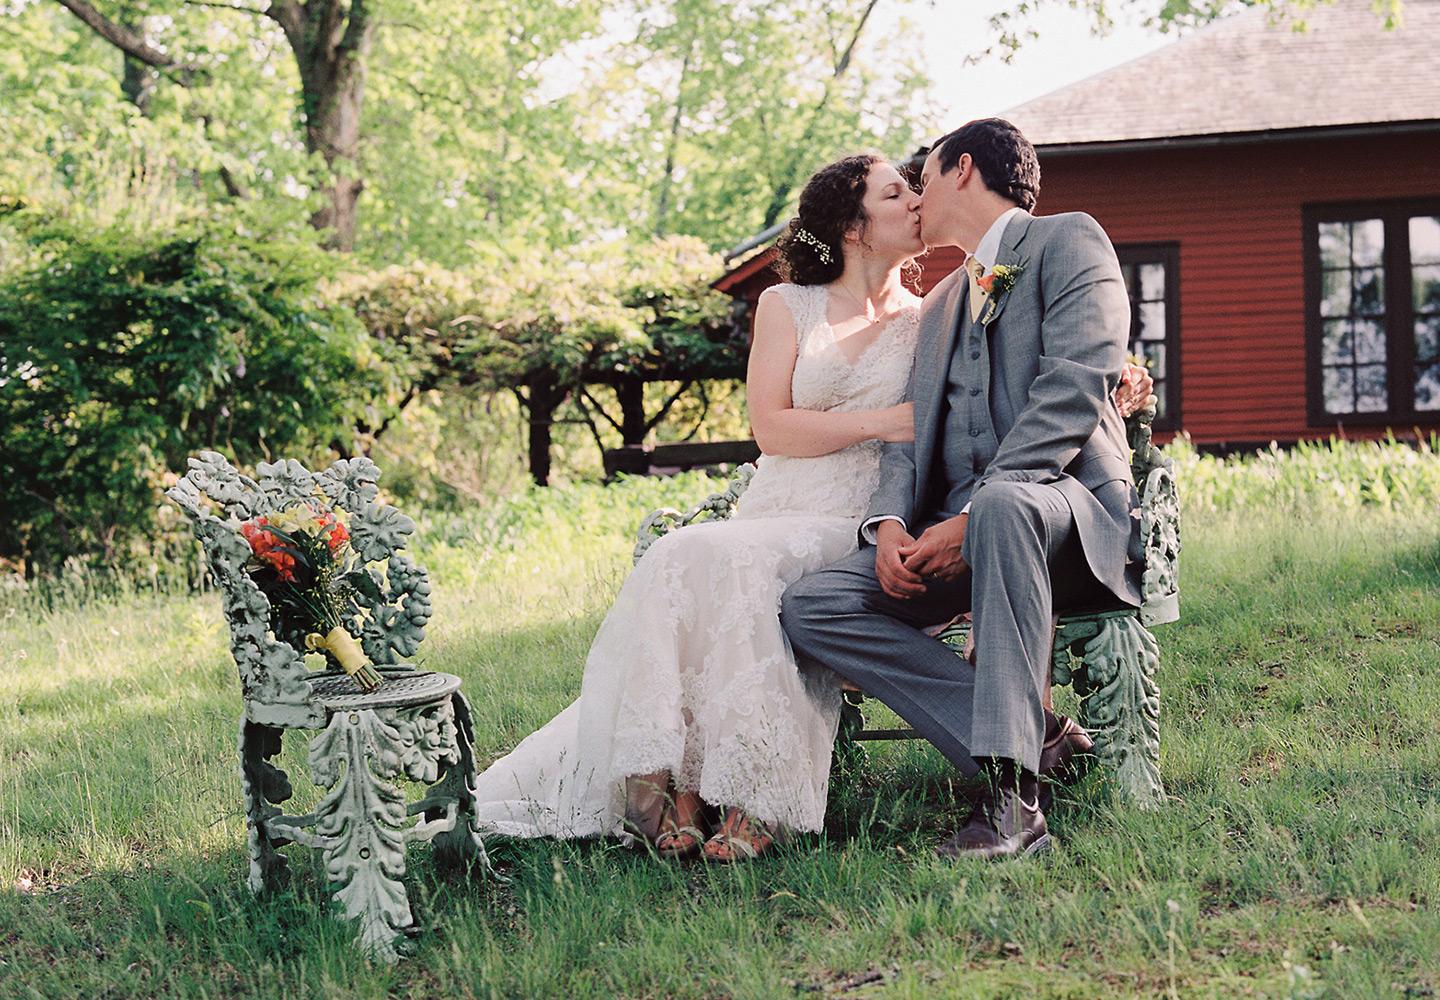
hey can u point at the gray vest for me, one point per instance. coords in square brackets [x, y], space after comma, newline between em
[969, 441]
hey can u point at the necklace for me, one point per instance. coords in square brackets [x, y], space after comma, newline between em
[870, 315]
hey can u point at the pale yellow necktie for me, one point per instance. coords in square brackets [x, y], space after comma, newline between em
[977, 294]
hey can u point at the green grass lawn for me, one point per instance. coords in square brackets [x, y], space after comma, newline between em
[1296, 858]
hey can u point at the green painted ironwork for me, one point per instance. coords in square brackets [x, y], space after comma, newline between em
[416, 726]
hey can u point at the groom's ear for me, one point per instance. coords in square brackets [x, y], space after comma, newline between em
[963, 168]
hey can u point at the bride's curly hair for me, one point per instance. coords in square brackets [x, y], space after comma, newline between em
[832, 201]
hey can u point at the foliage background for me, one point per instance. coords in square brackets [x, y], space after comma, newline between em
[545, 186]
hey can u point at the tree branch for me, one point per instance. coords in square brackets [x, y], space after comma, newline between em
[844, 63]
[654, 421]
[225, 6]
[585, 394]
[589, 420]
[357, 29]
[121, 37]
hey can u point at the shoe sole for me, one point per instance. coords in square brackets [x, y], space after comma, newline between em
[1042, 846]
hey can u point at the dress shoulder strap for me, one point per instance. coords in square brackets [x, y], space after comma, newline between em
[807, 305]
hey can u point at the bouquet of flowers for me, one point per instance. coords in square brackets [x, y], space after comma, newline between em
[297, 554]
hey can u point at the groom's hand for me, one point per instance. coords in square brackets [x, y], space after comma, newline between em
[891, 539]
[935, 555]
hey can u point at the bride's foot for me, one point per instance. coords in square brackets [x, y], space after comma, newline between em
[739, 837]
[681, 828]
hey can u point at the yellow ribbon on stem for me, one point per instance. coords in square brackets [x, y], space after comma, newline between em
[342, 645]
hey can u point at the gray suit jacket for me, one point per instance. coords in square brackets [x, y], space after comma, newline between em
[1054, 345]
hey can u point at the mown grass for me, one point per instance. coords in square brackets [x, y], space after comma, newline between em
[1296, 857]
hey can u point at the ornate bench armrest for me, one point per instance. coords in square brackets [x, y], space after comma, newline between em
[715, 507]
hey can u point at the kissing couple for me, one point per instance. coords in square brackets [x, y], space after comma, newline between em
[921, 459]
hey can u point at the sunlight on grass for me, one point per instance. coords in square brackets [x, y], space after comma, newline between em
[1295, 857]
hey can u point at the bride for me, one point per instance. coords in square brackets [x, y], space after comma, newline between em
[692, 711]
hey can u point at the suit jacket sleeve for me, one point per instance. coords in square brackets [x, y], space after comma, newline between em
[1083, 334]
[895, 495]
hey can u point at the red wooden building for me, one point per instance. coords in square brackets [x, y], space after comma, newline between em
[1274, 197]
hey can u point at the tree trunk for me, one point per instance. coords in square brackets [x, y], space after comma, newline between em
[790, 175]
[542, 399]
[330, 43]
[138, 83]
[667, 178]
[630, 391]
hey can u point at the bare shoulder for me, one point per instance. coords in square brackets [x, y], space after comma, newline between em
[775, 315]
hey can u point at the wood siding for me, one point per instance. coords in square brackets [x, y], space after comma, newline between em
[1235, 211]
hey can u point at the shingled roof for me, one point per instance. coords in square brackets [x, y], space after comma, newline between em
[1248, 73]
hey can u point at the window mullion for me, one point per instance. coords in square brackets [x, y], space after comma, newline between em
[1399, 318]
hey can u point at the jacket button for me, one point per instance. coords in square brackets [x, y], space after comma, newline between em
[974, 355]
[974, 432]
[974, 392]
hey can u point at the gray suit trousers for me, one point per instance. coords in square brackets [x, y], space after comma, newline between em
[1025, 559]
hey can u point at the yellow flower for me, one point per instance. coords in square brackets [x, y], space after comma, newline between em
[301, 517]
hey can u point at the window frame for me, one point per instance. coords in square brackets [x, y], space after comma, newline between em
[1395, 263]
[1167, 254]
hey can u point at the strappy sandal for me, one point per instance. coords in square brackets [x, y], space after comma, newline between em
[739, 838]
[680, 843]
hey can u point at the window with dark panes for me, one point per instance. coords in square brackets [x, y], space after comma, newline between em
[1373, 311]
[1151, 274]
[1425, 295]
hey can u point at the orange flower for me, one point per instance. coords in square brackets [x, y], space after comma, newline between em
[263, 545]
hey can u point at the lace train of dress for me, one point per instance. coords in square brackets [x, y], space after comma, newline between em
[690, 672]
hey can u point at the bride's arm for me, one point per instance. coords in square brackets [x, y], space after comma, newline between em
[780, 428]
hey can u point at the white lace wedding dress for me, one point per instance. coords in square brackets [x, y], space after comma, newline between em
[690, 672]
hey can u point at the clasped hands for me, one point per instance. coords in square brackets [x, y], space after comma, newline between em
[904, 563]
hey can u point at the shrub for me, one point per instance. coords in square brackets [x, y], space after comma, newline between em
[122, 353]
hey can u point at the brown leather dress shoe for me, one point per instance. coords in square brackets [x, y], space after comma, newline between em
[1006, 823]
[1064, 741]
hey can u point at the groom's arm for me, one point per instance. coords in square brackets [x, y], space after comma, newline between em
[894, 496]
[1083, 334]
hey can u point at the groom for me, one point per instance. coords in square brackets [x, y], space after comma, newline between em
[1015, 498]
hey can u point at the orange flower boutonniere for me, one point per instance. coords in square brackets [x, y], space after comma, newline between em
[997, 283]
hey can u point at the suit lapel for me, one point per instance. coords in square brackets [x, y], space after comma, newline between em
[1009, 256]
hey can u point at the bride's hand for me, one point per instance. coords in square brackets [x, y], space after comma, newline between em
[897, 423]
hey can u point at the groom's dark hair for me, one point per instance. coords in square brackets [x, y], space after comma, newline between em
[1005, 158]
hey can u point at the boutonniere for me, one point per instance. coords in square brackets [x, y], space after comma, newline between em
[996, 284]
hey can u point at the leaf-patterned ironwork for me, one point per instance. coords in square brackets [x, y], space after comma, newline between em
[419, 728]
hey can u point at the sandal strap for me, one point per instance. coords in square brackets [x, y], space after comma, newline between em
[694, 833]
[745, 836]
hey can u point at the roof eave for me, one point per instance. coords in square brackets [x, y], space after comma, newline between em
[1237, 138]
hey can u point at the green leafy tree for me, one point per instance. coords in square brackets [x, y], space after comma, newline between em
[121, 353]
[78, 148]
[715, 111]
[475, 62]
